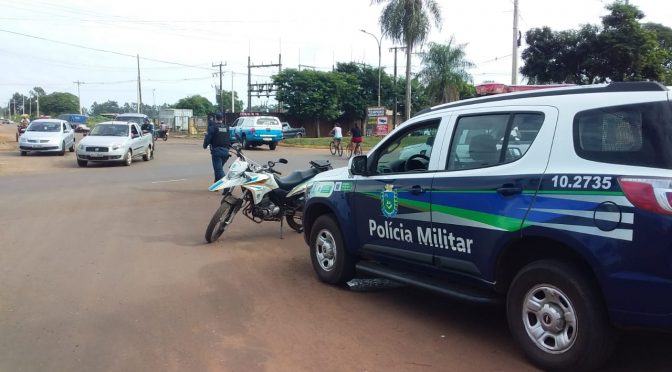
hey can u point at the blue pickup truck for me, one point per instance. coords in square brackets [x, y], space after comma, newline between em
[257, 131]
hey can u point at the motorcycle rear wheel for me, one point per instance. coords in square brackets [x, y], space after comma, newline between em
[295, 223]
[218, 223]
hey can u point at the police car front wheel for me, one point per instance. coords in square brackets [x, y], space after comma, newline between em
[555, 314]
[331, 262]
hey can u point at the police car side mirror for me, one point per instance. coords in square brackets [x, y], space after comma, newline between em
[358, 166]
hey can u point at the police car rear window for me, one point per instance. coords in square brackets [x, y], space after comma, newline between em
[638, 135]
[265, 122]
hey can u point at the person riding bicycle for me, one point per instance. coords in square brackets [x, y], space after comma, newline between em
[337, 132]
[356, 139]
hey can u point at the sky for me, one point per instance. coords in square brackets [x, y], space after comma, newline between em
[44, 43]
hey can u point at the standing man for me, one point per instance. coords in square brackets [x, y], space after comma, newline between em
[219, 141]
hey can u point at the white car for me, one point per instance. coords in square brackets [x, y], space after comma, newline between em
[115, 141]
[47, 135]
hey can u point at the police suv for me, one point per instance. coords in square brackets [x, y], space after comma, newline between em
[556, 201]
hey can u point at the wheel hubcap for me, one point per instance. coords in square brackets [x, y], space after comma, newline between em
[550, 319]
[325, 250]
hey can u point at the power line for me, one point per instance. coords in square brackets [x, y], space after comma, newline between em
[102, 50]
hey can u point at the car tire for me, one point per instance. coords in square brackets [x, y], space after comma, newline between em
[82, 163]
[556, 316]
[62, 152]
[299, 135]
[72, 147]
[246, 145]
[332, 263]
[148, 154]
[272, 145]
[128, 159]
[24, 153]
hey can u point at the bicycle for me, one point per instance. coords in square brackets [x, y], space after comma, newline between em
[357, 149]
[335, 147]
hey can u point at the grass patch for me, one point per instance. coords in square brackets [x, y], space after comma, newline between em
[325, 141]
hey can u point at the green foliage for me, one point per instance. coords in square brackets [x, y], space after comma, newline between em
[226, 95]
[107, 107]
[309, 94]
[445, 71]
[324, 142]
[408, 22]
[622, 49]
[58, 103]
[201, 105]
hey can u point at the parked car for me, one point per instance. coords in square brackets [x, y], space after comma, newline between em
[556, 202]
[115, 141]
[290, 132]
[257, 131]
[47, 135]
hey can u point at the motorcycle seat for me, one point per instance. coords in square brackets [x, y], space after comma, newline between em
[293, 179]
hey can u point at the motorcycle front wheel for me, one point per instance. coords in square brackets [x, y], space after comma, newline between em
[219, 221]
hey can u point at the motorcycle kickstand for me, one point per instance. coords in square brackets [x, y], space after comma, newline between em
[281, 224]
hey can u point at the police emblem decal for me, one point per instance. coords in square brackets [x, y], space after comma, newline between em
[389, 202]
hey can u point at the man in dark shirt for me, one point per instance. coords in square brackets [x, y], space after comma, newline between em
[219, 141]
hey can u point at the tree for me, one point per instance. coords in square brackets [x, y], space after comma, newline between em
[201, 105]
[237, 103]
[107, 107]
[444, 71]
[309, 94]
[58, 103]
[408, 22]
[621, 49]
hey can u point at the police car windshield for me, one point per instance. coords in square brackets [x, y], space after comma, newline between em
[44, 127]
[114, 130]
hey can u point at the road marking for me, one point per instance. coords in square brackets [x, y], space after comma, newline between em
[181, 179]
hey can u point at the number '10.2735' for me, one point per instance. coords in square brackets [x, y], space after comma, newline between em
[582, 182]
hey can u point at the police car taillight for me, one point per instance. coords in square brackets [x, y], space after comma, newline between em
[650, 194]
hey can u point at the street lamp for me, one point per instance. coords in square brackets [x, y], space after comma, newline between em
[377, 41]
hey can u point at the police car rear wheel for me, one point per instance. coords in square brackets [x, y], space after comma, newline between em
[555, 315]
[331, 262]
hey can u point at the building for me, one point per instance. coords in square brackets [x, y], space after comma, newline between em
[177, 119]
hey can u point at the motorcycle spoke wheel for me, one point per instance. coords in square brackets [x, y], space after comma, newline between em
[218, 222]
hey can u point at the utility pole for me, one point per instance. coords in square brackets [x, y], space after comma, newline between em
[267, 88]
[233, 108]
[394, 89]
[79, 99]
[221, 88]
[37, 102]
[514, 54]
[139, 87]
[378, 42]
[23, 104]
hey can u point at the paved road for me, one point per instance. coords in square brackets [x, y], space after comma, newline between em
[105, 268]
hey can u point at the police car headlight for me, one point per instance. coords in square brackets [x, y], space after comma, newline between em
[23, 139]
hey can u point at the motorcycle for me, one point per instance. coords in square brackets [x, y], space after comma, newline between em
[264, 196]
[163, 134]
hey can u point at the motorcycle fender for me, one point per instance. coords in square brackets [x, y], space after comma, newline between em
[299, 189]
[225, 183]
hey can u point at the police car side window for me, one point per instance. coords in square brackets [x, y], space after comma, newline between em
[639, 135]
[408, 151]
[483, 141]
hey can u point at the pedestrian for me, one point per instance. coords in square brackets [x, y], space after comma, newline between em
[219, 141]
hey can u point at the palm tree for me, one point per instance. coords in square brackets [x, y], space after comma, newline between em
[408, 22]
[445, 71]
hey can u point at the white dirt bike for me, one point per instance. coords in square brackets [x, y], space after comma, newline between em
[264, 196]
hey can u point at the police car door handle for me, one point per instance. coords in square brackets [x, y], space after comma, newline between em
[417, 190]
[509, 189]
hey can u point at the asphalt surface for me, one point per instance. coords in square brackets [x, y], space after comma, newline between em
[106, 269]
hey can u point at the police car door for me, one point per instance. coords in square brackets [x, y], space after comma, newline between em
[393, 202]
[490, 175]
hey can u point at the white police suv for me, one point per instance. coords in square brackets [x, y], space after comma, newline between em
[556, 201]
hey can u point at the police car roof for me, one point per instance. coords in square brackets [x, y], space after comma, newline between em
[643, 86]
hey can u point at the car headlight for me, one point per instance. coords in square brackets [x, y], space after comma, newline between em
[23, 139]
[115, 147]
[81, 147]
